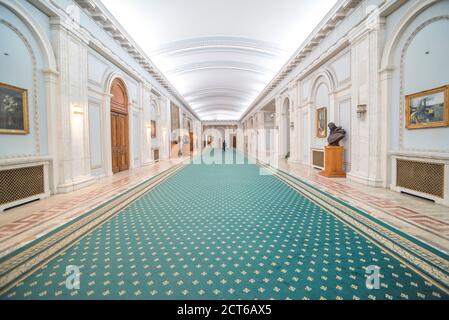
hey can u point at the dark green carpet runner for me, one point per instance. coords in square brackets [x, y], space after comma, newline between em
[224, 232]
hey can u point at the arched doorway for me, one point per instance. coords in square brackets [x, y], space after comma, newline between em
[189, 126]
[286, 127]
[119, 127]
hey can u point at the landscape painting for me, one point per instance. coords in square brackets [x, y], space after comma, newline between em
[428, 109]
[13, 110]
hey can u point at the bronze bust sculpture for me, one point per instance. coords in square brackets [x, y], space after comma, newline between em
[336, 134]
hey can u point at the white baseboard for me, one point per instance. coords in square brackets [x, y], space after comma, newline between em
[365, 180]
[76, 185]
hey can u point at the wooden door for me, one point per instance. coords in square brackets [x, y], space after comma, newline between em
[119, 127]
[120, 142]
[234, 142]
[191, 142]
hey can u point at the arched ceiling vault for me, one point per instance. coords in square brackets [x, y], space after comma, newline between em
[240, 92]
[223, 106]
[219, 54]
[217, 97]
[220, 65]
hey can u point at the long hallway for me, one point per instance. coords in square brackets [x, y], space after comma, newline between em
[226, 231]
[224, 150]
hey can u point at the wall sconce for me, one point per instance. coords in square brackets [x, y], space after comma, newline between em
[292, 125]
[361, 110]
[77, 109]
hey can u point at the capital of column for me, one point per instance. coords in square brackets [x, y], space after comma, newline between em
[386, 73]
[51, 76]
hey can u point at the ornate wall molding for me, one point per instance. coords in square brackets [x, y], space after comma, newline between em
[34, 94]
[401, 85]
[47, 50]
[324, 76]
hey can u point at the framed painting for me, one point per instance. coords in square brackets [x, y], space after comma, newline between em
[153, 129]
[13, 110]
[321, 122]
[427, 109]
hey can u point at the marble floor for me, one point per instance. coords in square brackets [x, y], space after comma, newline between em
[422, 219]
[419, 218]
[19, 226]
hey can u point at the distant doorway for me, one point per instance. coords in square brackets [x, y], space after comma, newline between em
[191, 141]
[234, 142]
[190, 136]
[286, 128]
[119, 127]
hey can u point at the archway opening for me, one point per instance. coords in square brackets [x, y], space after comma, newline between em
[286, 127]
[189, 126]
[119, 127]
[234, 141]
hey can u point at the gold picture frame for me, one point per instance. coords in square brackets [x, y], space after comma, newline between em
[13, 110]
[153, 129]
[427, 109]
[321, 122]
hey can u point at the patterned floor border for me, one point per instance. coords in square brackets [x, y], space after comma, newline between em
[45, 215]
[435, 226]
[20, 264]
[430, 263]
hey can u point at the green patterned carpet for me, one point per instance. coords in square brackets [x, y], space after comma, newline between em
[224, 232]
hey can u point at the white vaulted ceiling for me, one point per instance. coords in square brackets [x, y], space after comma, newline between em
[219, 54]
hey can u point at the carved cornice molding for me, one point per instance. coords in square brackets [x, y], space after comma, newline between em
[97, 12]
[340, 11]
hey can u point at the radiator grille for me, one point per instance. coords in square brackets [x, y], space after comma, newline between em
[156, 154]
[21, 183]
[318, 158]
[420, 176]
